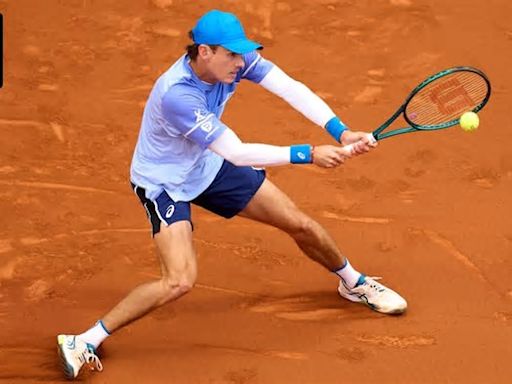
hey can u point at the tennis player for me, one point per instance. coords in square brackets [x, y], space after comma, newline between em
[186, 155]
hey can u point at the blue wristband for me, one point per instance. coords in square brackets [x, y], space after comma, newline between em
[335, 128]
[301, 154]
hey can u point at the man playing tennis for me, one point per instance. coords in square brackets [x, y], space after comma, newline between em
[185, 154]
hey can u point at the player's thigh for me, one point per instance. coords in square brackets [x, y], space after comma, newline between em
[272, 206]
[171, 224]
[176, 250]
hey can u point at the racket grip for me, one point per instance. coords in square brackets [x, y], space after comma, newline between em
[349, 149]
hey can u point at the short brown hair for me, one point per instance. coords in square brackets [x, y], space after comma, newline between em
[193, 49]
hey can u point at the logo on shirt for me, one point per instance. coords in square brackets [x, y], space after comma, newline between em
[200, 115]
[170, 211]
[207, 126]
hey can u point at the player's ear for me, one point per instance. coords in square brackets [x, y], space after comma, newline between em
[204, 51]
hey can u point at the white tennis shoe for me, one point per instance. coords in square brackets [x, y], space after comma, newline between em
[375, 295]
[74, 353]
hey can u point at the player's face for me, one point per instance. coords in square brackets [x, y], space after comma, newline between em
[224, 65]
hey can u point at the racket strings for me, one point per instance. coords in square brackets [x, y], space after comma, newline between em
[447, 98]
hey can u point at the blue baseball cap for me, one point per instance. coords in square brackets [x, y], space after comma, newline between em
[222, 28]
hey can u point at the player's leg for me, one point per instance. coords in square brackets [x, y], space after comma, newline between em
[271, 206]
[245, 191]
[172, 232]
[178, 264]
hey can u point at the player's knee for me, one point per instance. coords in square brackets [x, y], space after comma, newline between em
[175, 287]
[304, 226]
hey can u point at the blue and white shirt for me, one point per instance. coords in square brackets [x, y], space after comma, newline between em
[181, 119]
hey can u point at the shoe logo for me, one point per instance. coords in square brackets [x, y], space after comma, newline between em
[169, 212]
[71, 342]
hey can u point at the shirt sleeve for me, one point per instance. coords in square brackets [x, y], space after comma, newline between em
[256, 67]
[185, 109]
[298, 96]
[230, 147]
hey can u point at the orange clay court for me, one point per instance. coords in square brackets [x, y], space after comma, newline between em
[430, 212]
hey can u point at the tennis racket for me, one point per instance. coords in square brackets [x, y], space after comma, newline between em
[438, 102]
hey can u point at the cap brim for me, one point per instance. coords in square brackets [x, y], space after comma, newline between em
[242, 46]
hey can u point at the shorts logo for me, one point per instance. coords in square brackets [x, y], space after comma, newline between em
[169, 212]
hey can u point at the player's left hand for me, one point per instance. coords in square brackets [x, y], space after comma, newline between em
[361, 138]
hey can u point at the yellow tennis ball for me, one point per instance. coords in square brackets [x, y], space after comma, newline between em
[469, 121]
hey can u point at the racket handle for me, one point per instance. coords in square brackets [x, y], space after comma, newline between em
[371, 138]
[349, 149]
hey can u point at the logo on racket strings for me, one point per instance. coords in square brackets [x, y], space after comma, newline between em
[450, 97]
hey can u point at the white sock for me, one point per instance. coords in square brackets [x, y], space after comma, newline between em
[348, 274]
[95, 335]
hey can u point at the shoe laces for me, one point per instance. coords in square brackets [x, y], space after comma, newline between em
[370, 283]
[92, 360]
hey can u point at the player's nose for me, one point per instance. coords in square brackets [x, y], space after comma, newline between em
[239, 61]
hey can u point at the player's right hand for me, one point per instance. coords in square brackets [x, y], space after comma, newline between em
[329, 156]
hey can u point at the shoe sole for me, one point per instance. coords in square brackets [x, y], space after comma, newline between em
[68, 369]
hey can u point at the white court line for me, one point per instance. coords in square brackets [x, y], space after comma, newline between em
[38, 184]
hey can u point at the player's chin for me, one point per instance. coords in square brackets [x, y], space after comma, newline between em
[230, 78]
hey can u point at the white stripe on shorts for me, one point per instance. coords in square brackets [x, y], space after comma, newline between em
[158, 213]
